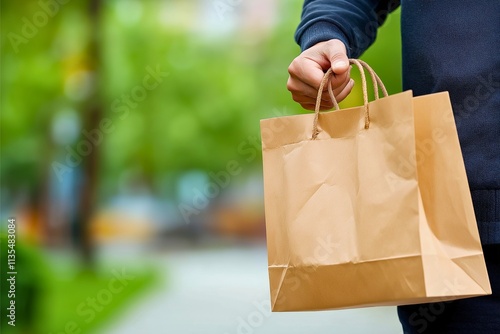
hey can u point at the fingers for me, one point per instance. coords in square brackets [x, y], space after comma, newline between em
[307, 71]
[306, 95]
[302, 91]
[310, 66]
[339, 88]
[297, 87]
[345, 91]
[326, 104]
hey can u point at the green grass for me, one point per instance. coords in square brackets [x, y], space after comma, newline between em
[85, 301]
[54, 295]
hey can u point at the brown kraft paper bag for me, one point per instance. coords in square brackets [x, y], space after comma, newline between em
[369, 206]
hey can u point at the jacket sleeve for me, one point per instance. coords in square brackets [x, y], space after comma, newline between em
[354, 22]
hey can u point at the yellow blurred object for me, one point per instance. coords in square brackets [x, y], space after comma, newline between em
[107, 226]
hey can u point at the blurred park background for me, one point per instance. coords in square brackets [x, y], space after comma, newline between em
[130, 159]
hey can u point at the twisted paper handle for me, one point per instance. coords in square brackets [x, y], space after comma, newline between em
[377, 83]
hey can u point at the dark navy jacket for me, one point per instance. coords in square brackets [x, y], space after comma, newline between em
[448, 45]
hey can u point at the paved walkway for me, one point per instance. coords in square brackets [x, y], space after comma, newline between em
[226, 292]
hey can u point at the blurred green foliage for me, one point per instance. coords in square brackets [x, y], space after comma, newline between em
[218, 86]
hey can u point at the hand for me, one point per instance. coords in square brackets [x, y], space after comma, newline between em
[307, 70]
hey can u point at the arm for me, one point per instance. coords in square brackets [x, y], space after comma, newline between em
[330, 32]
[354, 22]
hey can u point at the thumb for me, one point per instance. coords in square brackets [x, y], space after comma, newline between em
[336, 53]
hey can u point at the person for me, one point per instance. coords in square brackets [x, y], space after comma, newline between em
[447, 45]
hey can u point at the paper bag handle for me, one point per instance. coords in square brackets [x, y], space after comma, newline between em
[377, 83]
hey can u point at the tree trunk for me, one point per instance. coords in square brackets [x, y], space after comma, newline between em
[92, 117]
